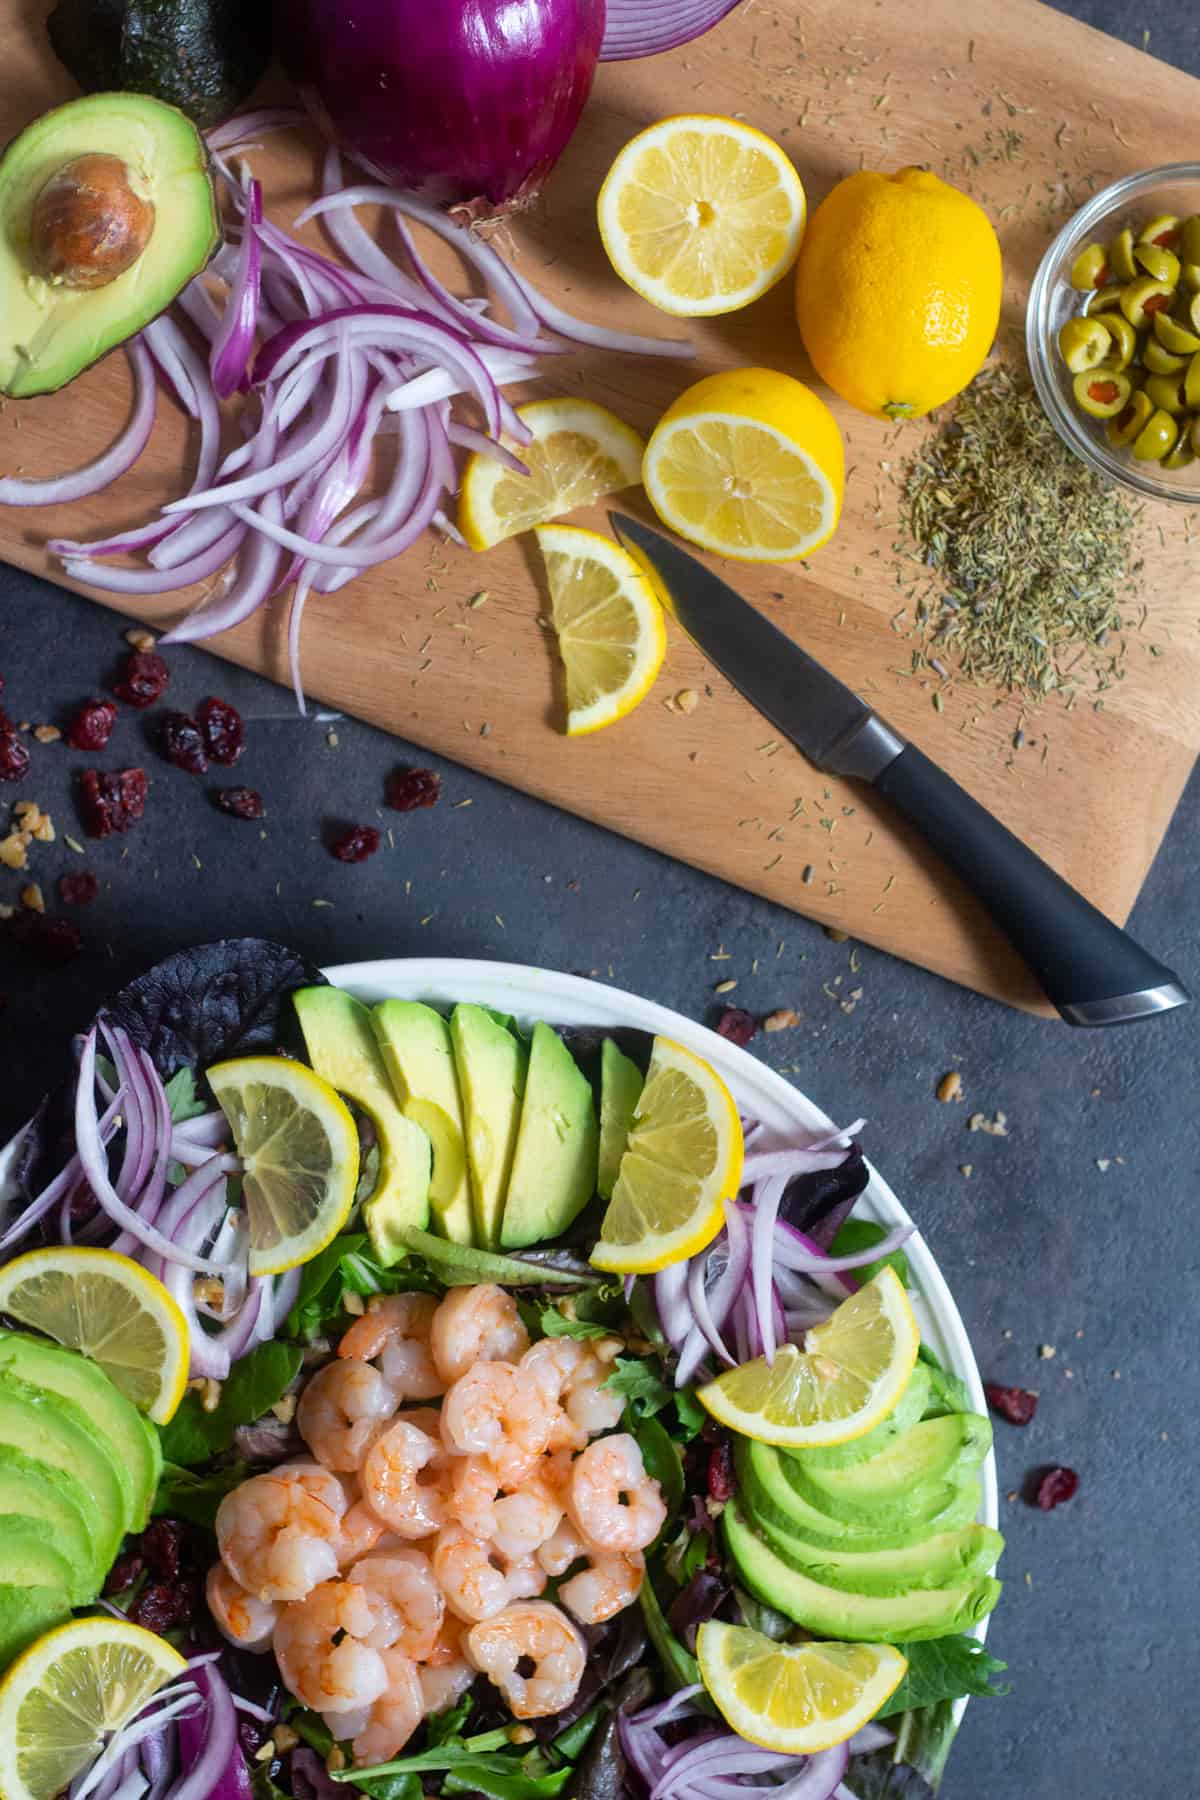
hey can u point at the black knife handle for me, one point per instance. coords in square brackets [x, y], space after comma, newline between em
[1094, 972]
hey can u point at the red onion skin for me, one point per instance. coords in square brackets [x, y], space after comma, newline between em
[470, 102]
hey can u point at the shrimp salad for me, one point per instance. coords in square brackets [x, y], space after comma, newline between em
[519, 1421]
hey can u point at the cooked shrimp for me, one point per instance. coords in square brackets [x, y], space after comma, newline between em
[322, 1652]
[404, 1479]
[403, 1578]
[334, 1491]
[607, 1586]
[444, 1684]
[611, 1499]
[277, 1539]
[523, 1520]
[591, 1406]
[467, 1574]
[362, 1530]
[243, 1618]
[499, 1412]
[394, 1331]
[524, 1574]
[572, 1376]
[340, 1408]
[530, 1631]
[561, 1549]
[448, 1648]
[476, 1324]
[474, 1488]
[394, 1717]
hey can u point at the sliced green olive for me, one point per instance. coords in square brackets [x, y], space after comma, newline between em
[1174, 336]
[1102, 392]
[1164, 230]
[1120, 256]
[1162, 264]
[1090, 268]
[1181, 455]
[1166, 393]
[1160, 361]
[1191, 383]
[1083, 343]
[1193, 312]
[1142, 298]
[1105, 299]
[1122, 335]
[1194, 436]
[1189, 239]
[1156, 439]
[1189, 277]
[1126, 426]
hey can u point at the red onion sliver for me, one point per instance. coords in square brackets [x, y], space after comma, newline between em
[793, 1250]
[767, 1200]
[234, 341]
[244, 126]
[115, 461]
[698, 1301]
[155, 581]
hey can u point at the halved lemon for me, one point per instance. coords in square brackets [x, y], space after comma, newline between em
[850, 1374]
[795, 1698]
[748, 463]
[701, 214]
[113, 1310]
[580, 452]
[609, 625]
[682, 1161]
[299, 1146]
[61, 1699]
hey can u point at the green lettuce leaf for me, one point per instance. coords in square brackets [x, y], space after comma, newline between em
[182, 1494]
[945, 1669]
[860, 1234]
[253, 1386]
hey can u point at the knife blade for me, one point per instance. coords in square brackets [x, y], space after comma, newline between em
[1092, 971]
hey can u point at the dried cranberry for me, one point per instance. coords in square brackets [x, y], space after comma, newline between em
[408, 789]
[112, 802]
[180, 741]
[163, 1547]
[1055, 1486]
[123, 1573]
[14, 756]
[355, 845]
[142, 679]
[92, 725]
[222, 730]
[1015, 1404]
[78, 890]
[736, 1024]
[240, 803]
[48, 940]
[721, 1481]
[161, 1606]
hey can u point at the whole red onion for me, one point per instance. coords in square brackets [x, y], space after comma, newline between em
[470, 102]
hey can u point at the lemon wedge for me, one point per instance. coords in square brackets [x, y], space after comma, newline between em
[579, 453]
[850, 1374]
[701, 215]
[609, 625]
[70, 1689]
[682, 1161]
[110, 1308]
[794, 1698]
[299, 1147]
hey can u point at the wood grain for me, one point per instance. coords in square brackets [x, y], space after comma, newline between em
[1031, 112]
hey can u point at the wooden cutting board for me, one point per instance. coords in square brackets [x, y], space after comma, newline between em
[1028, 110]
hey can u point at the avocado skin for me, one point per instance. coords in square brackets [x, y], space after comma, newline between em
[203, 56]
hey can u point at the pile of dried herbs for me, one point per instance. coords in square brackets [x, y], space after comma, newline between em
[1034, 551]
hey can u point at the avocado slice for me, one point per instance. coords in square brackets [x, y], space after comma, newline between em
[621, 1083]
[919, 1462]
[341, 1048]
[554, 1165]
[129, 178]
[28, 1558]
[26, 1613]
[204, 56]
[68, 1373]
[774, 1503]
[56, 1431]
[65, 1510]
[490, 1062]
[414, 1041]
[902, 1618]
[944, 1559]
[910, 1408]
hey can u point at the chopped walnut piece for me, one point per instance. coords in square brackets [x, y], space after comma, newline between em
[138, 638]
[783, 1020]
[950, 1087]
[13, 848]
[47, 734]
[33, 898]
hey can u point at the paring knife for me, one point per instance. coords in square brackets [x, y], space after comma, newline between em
[1093, 972]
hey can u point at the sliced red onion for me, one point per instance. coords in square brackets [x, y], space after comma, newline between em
[636, 28]
[244, 126]
[234, 342]
[215, 1768]
[692, 1353]
[115, 461]
[155, 581]
[178, 1701]
[467, 438]
[870, 1737]
[767, 1197]
[698, 1300]
[600, 336]
[793, 1250]
[768, 1164]
[671, 1303]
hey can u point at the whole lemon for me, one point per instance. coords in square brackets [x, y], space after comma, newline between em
[898, 291]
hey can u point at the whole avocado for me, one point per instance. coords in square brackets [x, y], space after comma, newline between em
[203, 56]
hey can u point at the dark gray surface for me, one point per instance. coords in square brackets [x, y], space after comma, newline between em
[1041, 1244]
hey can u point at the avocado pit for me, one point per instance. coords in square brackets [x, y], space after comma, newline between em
[89, 225]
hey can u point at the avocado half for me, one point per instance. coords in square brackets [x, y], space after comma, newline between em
[52, 328]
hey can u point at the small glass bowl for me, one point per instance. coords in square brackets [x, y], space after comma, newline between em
[1174, 188]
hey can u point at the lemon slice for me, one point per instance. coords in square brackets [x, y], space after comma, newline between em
[748, 463]
[795, 1698]
[609, 624]
[850, 1374]
[580, 452]
[70, 1689]
[299, 1146]
[113, 1310]
[701, 214]
[682, 1161]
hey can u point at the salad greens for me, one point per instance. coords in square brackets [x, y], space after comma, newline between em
[945, 1669]
[253, 1386]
